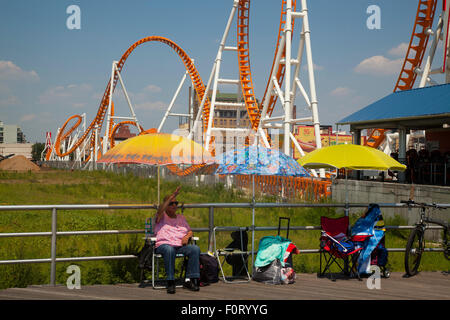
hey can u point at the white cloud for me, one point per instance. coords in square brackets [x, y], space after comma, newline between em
[151, 105]
[400, 50]
[72, 95]
[315, 67]
[152, 88]
[28, 117]
[145, 99]
[9, 101]
[10, 71]
[379, 66]
[341, 92]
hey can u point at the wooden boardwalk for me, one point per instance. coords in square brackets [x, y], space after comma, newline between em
[424, 286]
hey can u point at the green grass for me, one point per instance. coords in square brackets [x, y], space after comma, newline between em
[97, 187]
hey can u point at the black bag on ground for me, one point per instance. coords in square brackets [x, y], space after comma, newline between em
[145, 256]
[240, 242]
[209, 270]
[270, 274]
[145, 261]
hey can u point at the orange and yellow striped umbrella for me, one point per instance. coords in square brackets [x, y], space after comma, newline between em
[158, 149]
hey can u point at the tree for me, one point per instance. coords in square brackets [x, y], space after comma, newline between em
[36, 150]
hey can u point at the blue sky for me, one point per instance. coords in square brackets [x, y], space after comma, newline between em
[49, 72]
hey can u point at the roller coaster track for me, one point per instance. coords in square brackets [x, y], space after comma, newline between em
[413, 60]
[245, 75]
[251, 103]
[98, 121]
[417, 44]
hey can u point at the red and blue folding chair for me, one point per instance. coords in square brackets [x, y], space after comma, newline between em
[338, 248]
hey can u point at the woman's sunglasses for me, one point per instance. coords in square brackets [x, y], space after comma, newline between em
[173, 203]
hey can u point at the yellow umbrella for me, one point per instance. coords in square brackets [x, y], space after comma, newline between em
[350, 156]
[158, 149]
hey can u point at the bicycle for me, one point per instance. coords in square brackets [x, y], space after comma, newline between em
[416, 241]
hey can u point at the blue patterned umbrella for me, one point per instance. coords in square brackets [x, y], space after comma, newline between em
[258, 160]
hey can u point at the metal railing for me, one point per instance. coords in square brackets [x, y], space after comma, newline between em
[54, 233]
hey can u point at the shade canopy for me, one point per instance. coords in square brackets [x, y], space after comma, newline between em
[350, 156]
[258, 160]
[158, 149]
[417, 109]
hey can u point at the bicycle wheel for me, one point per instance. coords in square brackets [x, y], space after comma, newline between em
[414, 250]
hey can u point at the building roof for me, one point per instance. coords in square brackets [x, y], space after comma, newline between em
[421, 108]
[123, 133]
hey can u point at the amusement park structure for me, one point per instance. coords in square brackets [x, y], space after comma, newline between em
[86, 144]
[71, 140]
[412, 66]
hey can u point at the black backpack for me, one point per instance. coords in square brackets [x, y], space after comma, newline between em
[145, 261]
[145, 256]
[209, 270]
[240, 242]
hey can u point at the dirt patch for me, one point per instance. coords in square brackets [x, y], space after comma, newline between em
[18, 163]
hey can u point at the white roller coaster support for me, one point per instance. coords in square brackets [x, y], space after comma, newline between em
[287, 80]
[312, 82]
[192, 135]
[216, 69]
[427, 68]
[95, 151]
[441, 33]
[133, 114]
[106, 142]
[273, 78]
[291, 83]
[175, 96]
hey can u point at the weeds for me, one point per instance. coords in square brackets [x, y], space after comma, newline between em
[96, 187]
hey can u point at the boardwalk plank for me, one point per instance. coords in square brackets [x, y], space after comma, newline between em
[425, 286]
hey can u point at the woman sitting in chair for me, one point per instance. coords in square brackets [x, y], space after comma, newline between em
[172, 237]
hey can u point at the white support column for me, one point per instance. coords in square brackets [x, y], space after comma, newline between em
[292, 81]
[198, 117]
[96, 146]
[106, 142]
[133, 114]
[312, 82]
[273, 82]
[402, 152]
[217, 71]
[175, 96]
[426, 71]
[287, 80]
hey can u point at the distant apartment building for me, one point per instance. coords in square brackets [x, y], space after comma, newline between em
[12, 141]
[228, 113]
[11, 133]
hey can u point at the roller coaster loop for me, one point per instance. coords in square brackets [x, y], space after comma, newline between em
[189, 65]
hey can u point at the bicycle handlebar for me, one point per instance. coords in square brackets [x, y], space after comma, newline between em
[412, 203]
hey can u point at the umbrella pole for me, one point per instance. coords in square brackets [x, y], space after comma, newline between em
[158, 186]
[346, 193]
[253, 221]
